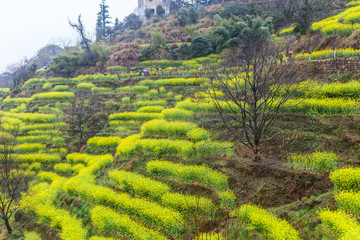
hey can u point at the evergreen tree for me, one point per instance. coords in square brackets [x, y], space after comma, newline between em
[102, 28]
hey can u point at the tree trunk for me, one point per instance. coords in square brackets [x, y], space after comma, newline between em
[7, 224]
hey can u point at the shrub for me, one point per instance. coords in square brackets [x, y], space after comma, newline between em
[153, 93]
[151, 109]
[346, 179]
[31, 117]
[201, 174]
[178, 98]
[319, 161]
[265, 222]
[101, 90]
[162, 90]
[138, 184]
[47, 86]
[61, 88]
[19, 109]
[177, 114]
[107, 220]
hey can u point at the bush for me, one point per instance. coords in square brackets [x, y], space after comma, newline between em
[200, 47]
[103, 144]
[198, 134]
[32, 236]
[266, 223]
[47, 86]
[201, 174]
[63, 168]
[29, 147]
[139, 89]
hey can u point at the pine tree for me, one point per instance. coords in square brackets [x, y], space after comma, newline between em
[102, 28]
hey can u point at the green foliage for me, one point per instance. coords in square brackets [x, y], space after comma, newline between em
[162, 128]
[261, 220]
[160, 10]
[47, 86]
[146, 53]
[103, 144]
[151, 109]
[200, 47]
[125, 100]
[32, 236]
[140, 104]
[171, 82]
[63, 168]
[157, 39]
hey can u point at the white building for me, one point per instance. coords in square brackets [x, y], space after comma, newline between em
[152, 5]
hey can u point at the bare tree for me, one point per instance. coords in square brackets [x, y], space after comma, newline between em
[21, 71]
[82, 111]
[79, 27]
[13, 182]
[253, 93]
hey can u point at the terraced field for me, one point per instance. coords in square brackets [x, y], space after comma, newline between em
[131, 180]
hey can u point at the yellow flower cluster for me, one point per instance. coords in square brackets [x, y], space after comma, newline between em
[139, 89]
[205, 105]
[107, 220]
[151, 109]
[31, 117]
[345, 226]
[188, 203]
[34, 139]
[328, 53]
[210, 236]
[177, 114]
[42, 127]
[39, 157]
[126, 116]
[346, 179]
[162, 128]
[29, 147]
[328, 106]
[171, 82]
[47, 86]
[349, 201]
[63, 168]
[53, 96]
[32, 236]
[319, 161]
[61, 88]
[261, 220]
[19, 109]
[343, 24]
[200, 174]
[140, 104]
[138, 184]
[103, 144]
[85, 86]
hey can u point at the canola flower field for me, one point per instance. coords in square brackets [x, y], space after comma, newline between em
[156, 123]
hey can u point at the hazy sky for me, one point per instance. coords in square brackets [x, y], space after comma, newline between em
[28, 25]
